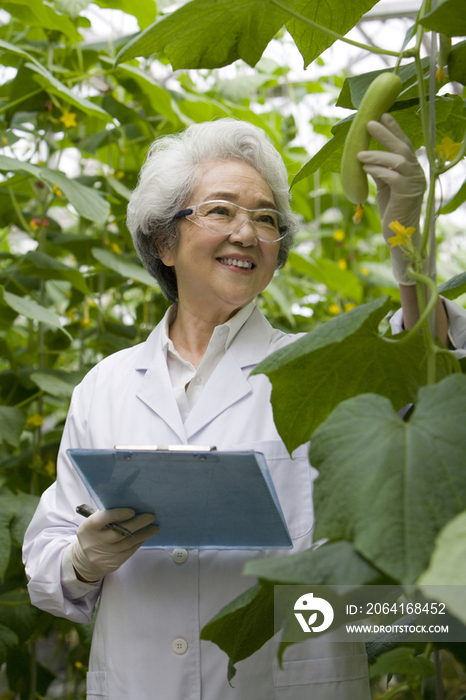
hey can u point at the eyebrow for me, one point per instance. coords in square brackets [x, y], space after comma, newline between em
[232, 197]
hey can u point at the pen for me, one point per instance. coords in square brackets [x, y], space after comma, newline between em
[86, 511]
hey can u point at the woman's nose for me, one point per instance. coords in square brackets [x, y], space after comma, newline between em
[245, 233]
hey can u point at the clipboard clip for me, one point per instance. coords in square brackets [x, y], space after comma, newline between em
[166, 448]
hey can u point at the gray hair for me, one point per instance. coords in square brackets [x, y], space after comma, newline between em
[172, 171]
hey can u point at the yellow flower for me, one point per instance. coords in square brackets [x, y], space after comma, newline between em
[50, 468]
[439, 75]
[334, 309]
[119, 174]
[57, 191]
[364, 271]
[339, 234]
[35, 420]
[342, 264]
[116, 248]
[403, 234]
[448, 149]
[5, 141]
[358, 214]
[33, 224]
[68, 119]
[78, 665]
[349, 306]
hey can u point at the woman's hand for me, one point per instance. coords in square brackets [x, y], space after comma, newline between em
[97, 551]
[400, 185]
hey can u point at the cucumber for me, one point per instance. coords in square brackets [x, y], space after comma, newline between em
[379, 96]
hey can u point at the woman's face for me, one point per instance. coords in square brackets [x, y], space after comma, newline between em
[204, 276]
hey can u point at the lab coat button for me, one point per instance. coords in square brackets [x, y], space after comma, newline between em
[197, 380]
[180, 556]
[180, 646]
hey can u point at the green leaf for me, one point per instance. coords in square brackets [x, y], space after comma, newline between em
[25, 507]
[11, 425]
[119, 187]
[457, 63]
[327, 272]
[333, 362]
[35, 262]
[333, 14]
[401, 661]
[242, 626]
[377, 471]
[454, 287]
[72, 7]
[17, 613]
[335, 143]
[7, 513]
[241, 29]
[159, 98]
[8, 639]
[31, 309]
[331, 564]
[125, 268]
[53, 384]
[35, 13]
[456, 201]
[355, 87]
[48, 81]
[143, 10]
[448, 18]
[86, 200]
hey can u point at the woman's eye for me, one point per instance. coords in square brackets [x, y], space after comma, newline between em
[218, 211]
[266, 219]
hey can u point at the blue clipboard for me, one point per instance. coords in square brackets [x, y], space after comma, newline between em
[210, 500]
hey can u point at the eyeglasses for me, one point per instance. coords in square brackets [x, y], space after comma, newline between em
[224, 217]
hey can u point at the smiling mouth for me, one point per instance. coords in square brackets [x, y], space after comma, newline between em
[244, 264]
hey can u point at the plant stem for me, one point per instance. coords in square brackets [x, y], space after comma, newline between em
[425, 310]
[19, 100]
[336, 35]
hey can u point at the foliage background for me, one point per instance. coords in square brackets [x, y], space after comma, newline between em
[74, 131]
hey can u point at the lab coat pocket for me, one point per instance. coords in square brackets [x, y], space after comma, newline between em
[339, 678]
[292, 479]
[96, 685]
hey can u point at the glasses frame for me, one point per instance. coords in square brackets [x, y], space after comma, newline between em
[192, 210]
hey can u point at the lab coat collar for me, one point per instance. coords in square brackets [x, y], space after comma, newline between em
[229, 382]
[227, 385]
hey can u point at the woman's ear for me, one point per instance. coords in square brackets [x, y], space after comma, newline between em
[165, 255]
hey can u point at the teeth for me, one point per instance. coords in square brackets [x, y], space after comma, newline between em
[237, 263]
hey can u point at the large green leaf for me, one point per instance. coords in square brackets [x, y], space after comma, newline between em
[11, 425]
[72, 7]
[340, 359]
[8, 639]
[457, 63]
[42, 265]
[159, 98]
[36, 13]
[334, 563]
[387, 485]
[241, 29]
[48, 81]
[445, 577]
[31, 309]
[143, 10]
[125, 268]
[336, 143]
[454, 286]
[448, 18]
[456, 201]
[53, 383]
[242, 626]
[86, 200]
[25, 507]
[17, 613]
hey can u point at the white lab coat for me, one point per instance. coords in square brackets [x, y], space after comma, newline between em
[152, 600]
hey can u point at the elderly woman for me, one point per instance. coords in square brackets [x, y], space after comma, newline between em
[211, 221]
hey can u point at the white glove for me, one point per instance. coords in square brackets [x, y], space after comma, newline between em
[400, 184]
[97, 552]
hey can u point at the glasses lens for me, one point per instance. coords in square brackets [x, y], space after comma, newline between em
[224, 217]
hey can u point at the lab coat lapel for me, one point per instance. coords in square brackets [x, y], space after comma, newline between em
[229, 382]
[156, 389]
